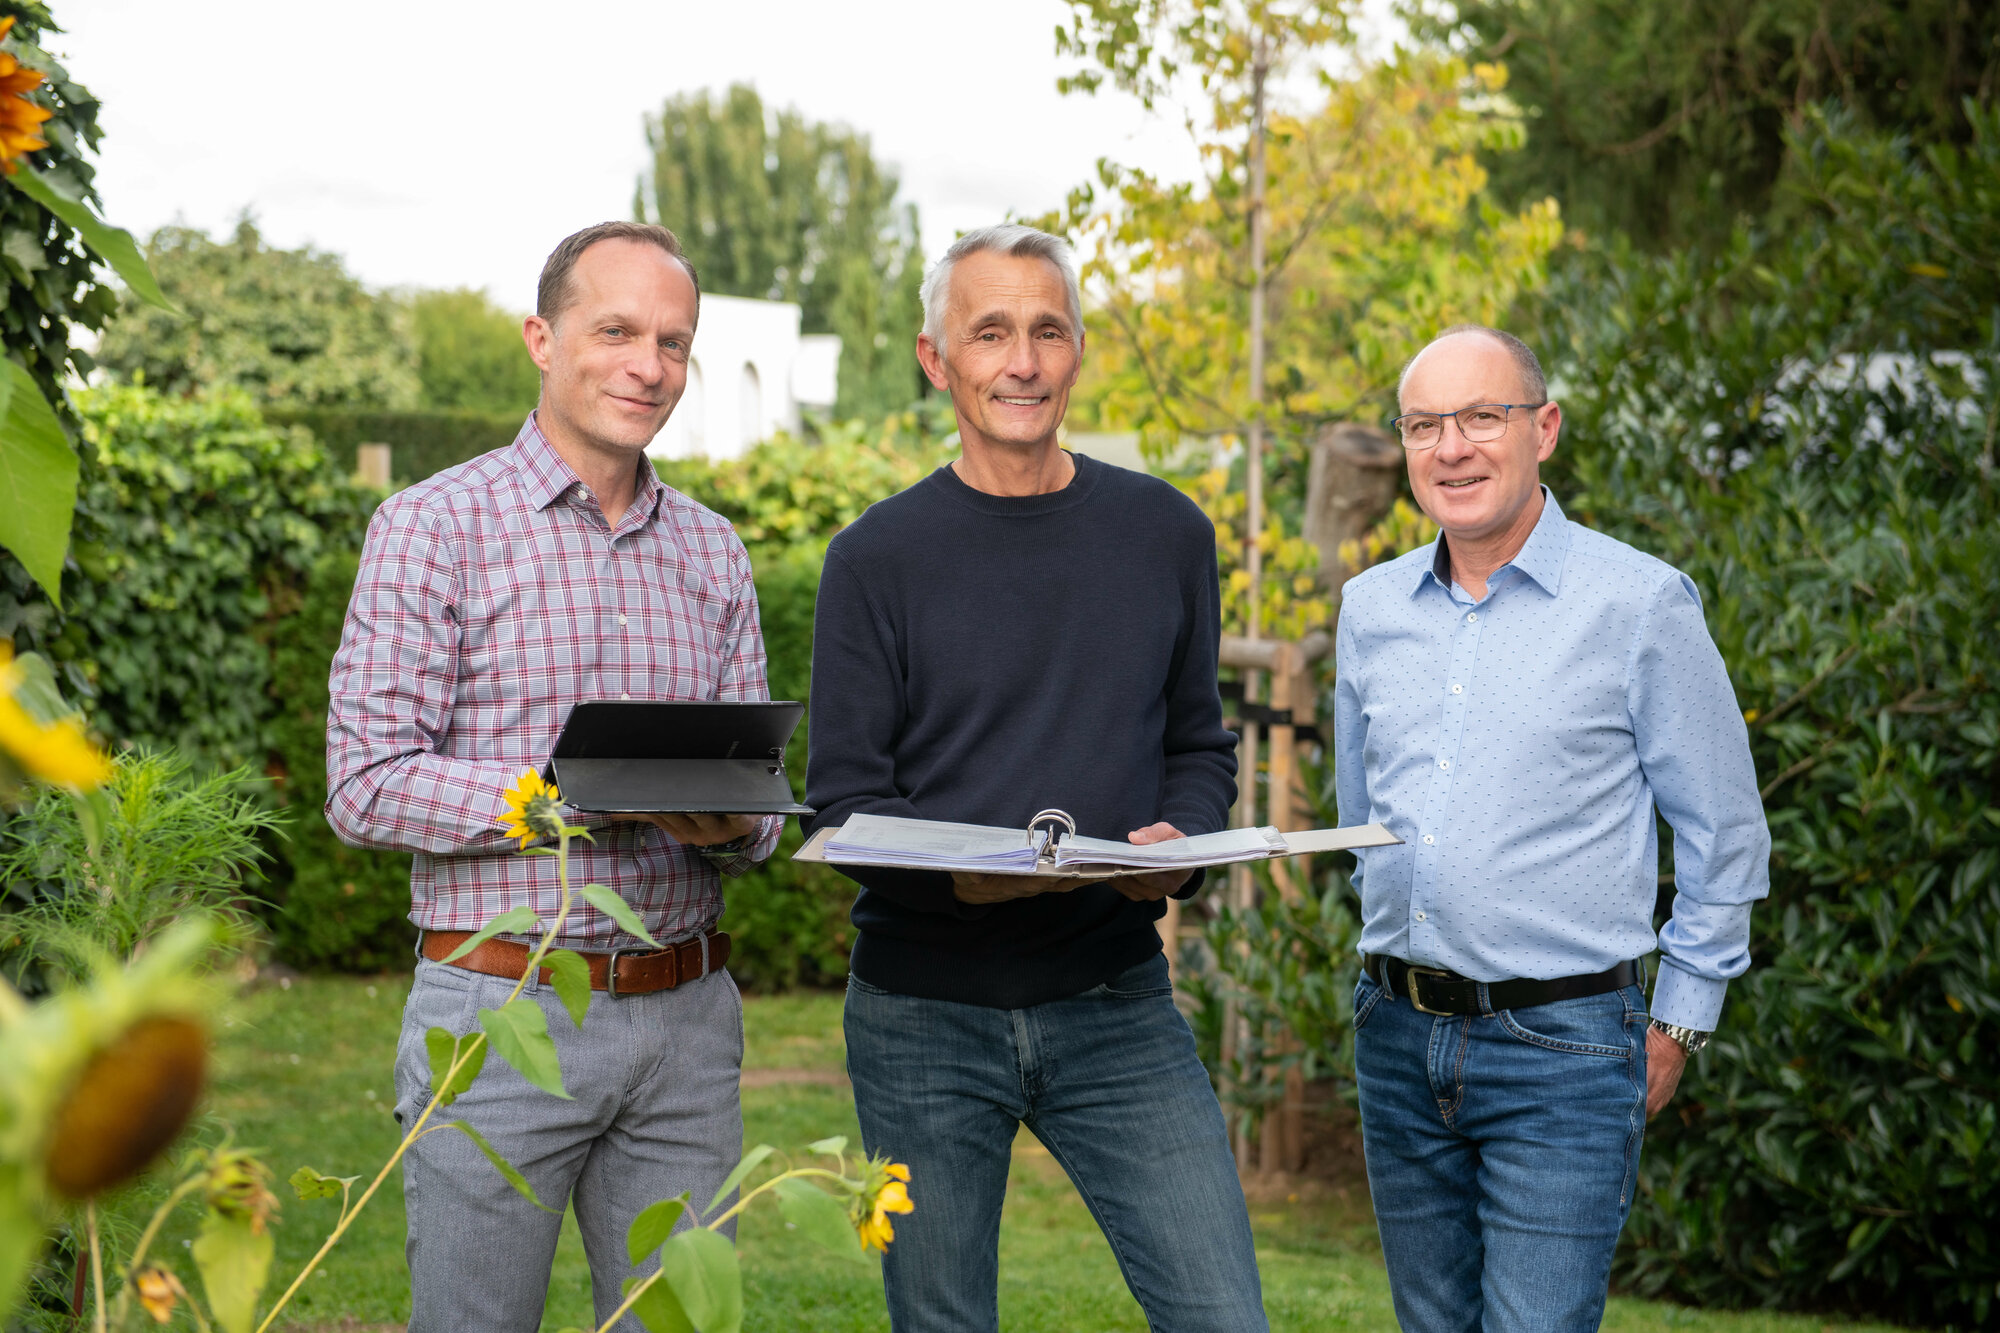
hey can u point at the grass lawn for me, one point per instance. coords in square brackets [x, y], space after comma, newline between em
[303, 1074]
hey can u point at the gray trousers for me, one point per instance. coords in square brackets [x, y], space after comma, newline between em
[655, 1111]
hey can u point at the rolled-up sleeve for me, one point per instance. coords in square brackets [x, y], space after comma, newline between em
[1695, 752]
[393, 681]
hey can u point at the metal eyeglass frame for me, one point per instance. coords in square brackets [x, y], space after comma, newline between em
[1507, 409]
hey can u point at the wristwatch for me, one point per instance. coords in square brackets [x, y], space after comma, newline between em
[722, 851]
[1688, 1039]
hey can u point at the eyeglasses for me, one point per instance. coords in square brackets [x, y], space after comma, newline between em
[1479, 423]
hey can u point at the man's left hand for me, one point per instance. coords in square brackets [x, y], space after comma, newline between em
[700, 830]
[1154, 884]
[1664, 1062]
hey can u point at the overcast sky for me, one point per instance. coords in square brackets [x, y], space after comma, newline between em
[439, 144]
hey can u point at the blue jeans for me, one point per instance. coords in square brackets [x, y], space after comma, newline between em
[1502, 1151]
[1109, 1081]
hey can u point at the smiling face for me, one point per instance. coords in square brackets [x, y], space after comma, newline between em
[1481, 494]
[615, 359]
[1008, 350]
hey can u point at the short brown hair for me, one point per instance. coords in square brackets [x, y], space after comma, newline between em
[555, 292]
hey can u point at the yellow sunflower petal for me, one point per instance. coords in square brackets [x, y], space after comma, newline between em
[894, 1199]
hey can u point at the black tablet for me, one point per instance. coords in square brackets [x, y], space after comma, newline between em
[628, 756]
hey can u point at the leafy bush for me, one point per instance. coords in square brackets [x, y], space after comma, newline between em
[196, 527]
[339, 907]
[1808, 431]
[421, 443]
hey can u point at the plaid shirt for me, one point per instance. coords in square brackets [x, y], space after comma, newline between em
[490, 599]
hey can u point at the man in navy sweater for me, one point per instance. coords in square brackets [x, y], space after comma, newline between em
[1028, 628]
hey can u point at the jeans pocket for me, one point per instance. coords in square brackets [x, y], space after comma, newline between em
[1149, 980]
[1366, 996]
[857, 984]
[1592, 1025]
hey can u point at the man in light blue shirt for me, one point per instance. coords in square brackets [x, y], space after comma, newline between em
[1515, 701]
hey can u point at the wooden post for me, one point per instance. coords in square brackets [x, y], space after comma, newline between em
[371, 466]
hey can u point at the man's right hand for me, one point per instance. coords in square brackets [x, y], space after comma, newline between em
[982, 889]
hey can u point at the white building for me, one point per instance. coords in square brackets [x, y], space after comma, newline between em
[750, 374]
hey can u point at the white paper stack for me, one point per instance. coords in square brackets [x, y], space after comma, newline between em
[1204, 849]
[884, 840]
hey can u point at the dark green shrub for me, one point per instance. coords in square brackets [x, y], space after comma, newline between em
[196, 528]
[1809, 432]
[420, 443]
[338, 907]
[789, 921]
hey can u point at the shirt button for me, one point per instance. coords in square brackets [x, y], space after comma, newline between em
[1445, 764]
[624, 696]
[1422, 917]
[1471, 616]
[621, 620]
[1458, 689]
[1428, 839]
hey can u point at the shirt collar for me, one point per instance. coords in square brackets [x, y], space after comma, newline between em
[547, 478]
[1540, 557]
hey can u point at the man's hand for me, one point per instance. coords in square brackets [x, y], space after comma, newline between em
[699, 830]
[984, 889]
[1664, 1062]
[1153, 885]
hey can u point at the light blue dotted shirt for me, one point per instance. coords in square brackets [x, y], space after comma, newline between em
[1519, 745]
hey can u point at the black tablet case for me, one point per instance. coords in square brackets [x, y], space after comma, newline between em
[618, 756]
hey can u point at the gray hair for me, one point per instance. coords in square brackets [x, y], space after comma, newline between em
[1009, 238]
[1525, 361]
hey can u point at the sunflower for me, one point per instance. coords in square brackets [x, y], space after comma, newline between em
[534, 809]
[886, 1192]
[97, 1080]
[20, 119]
[57, 752]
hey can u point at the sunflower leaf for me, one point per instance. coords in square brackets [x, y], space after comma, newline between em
[39, 469]
[115, 244]
[820, 1218]
[444, 1048]
[609, 903]
[751, 1160]
[510, 1172]
[650, 1229]
[701, 1266]
[520, 1033]
[657, 1309]
[570, 975]
[513, 921]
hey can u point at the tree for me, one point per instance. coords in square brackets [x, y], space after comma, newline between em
[773, 206]
[470, 355]
[292, 327]
[1667, 119]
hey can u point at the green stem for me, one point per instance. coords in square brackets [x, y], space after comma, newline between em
[631, 1299]
[96, 1268]
[145, 1242]
[799, 1172]
[416, 1130]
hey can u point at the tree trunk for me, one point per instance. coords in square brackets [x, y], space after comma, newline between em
[1355, 476]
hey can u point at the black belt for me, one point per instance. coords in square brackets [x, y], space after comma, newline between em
[1432, 990]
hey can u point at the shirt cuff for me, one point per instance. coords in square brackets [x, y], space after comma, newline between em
[764, 842]
[1685, 1000]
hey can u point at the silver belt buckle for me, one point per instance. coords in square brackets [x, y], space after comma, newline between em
[611, 969]
[1416, 999]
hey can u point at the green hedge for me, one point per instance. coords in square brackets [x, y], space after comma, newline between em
[1808, 430]
[420, 443]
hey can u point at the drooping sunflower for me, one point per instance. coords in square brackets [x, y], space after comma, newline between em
[57, 752]
[534, 809]
[99, 1079]
[886, 1192]
[20, 119]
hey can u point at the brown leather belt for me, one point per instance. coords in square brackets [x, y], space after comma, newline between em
[625, 972]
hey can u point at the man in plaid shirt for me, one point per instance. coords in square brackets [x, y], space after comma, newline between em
[490, 599]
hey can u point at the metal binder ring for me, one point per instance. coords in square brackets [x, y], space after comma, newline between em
[1059, 821]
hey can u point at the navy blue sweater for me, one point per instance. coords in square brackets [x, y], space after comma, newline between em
[978, 658]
